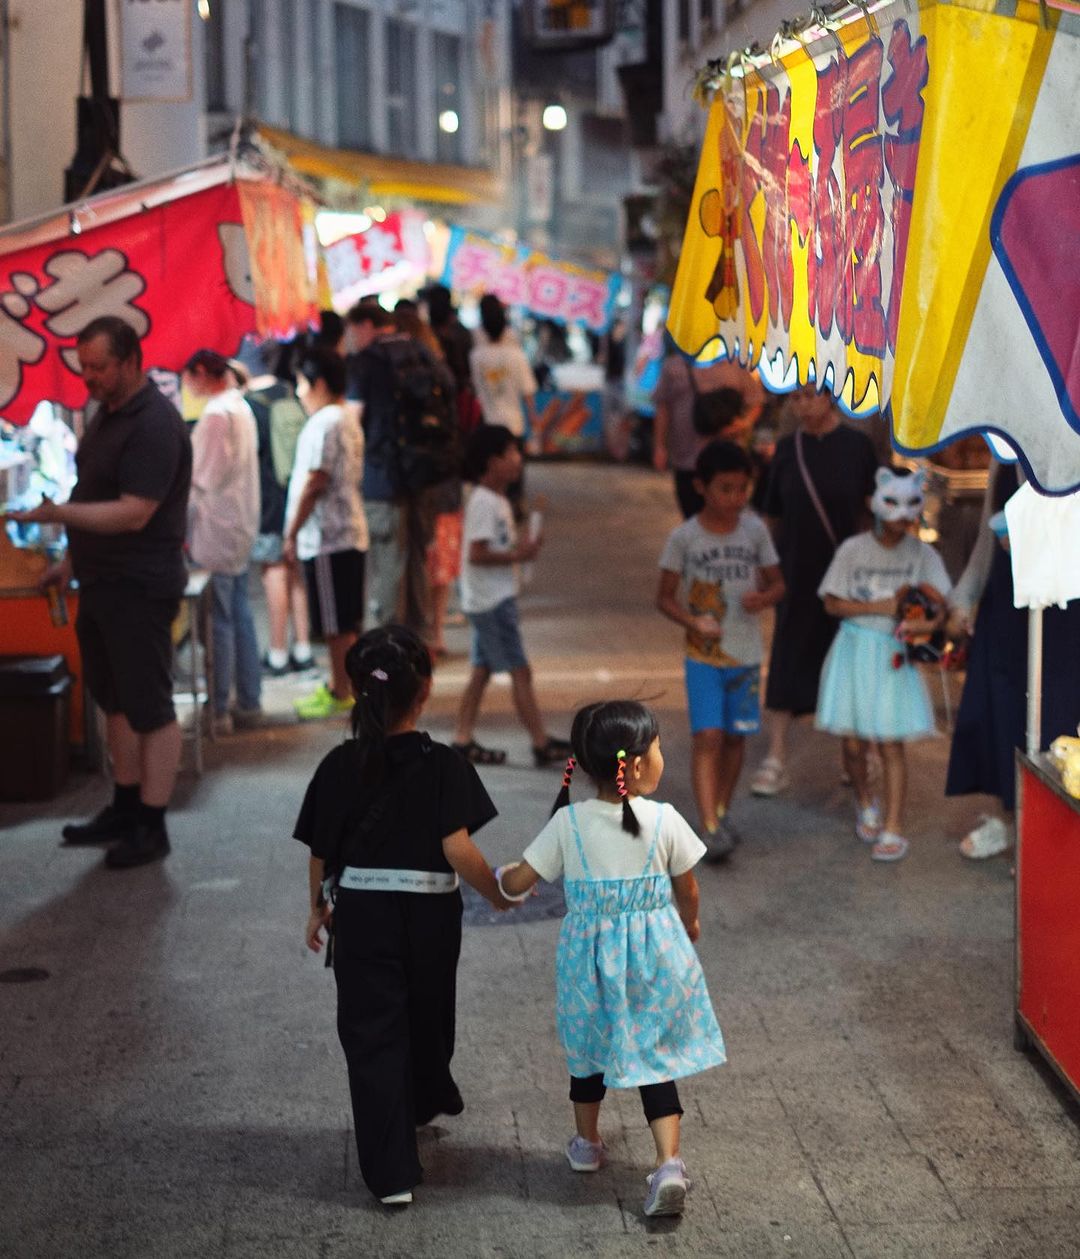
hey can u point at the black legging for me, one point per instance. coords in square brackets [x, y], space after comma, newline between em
[658, 1100]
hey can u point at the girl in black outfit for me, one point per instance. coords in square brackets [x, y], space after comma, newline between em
[388, 817]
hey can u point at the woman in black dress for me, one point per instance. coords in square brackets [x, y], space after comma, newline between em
[388, 817]
[839, 463]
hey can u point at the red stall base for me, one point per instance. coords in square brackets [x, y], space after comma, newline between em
[1048, 920]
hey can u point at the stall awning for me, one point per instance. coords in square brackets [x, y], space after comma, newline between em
[388, 176]
[857, 223]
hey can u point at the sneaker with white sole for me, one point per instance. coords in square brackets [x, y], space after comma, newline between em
[889, 847]
[584, 1155]
[988, 839]
[769, 779]
[668, 1186]
[868, 822]
[402, 1199]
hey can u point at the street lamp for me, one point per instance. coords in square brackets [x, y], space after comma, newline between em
[449, 121]
[554, 118]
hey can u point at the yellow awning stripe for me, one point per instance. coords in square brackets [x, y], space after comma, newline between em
[388, 176]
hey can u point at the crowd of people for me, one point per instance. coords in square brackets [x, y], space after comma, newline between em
[337, 466]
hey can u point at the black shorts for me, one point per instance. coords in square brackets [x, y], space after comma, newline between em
[125, 638]
[335, 591]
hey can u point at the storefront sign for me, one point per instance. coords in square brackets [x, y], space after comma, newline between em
[386, 254]
[155, 50]
[561, 25]
[179, 274]
[857, 223]
[546, 287]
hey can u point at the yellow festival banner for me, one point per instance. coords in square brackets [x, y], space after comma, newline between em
[892, 210]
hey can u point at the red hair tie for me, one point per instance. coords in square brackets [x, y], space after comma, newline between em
[570, 763]
[620, 776]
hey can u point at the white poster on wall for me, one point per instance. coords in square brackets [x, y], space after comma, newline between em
[155, 50]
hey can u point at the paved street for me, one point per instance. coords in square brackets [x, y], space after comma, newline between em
[175, 1087]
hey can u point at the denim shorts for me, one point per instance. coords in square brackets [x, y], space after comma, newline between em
[496, 642]
[724, 699]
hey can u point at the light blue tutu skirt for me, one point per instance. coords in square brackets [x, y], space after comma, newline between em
[862, 695]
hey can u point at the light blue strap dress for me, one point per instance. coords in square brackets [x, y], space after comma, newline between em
[631, 999]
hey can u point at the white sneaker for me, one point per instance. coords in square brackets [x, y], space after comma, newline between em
[987, 839]
[397, 1199]
[868, 822]
[769, 779]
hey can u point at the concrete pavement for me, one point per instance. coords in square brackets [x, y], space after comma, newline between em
[175, 1087]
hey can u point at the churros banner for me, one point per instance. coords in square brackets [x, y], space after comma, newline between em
[547, 287]
[894, 211]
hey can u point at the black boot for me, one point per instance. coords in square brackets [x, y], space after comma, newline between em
[107, 826]
[142, 845]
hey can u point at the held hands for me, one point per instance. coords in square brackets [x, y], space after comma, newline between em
[288, 551]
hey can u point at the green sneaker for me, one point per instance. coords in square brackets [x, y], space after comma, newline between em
[322, 703]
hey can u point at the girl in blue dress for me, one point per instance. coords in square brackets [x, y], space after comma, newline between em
[631, 1003]
[869, 692]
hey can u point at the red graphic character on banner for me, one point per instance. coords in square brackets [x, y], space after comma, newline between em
[902, 105]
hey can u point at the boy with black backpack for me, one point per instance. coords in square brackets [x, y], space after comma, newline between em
[403, 397]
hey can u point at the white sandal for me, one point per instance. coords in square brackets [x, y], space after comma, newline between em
[988, 839]
[769, 778]
[889, 847]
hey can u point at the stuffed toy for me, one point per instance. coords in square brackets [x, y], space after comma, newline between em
[916, 604]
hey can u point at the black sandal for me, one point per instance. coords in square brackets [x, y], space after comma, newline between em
[553, 752]
[478, 755]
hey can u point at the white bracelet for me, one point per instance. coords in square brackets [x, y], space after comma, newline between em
[499, 872]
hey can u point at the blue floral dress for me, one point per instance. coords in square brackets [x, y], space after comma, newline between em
[631, 1000]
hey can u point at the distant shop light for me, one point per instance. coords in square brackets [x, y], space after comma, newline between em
[449, 121]
[204, 10]
[375, 212]
[553, 118]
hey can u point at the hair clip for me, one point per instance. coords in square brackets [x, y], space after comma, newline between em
[620, 776]
[570, 763]
[380, 675]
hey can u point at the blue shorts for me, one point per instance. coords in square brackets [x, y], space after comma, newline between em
[496, 641]
[723, 699]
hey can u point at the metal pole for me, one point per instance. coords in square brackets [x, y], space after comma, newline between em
[7, 199]
[1034, 681]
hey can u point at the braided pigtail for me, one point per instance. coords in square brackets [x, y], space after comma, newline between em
[563, 798]
[629, 817]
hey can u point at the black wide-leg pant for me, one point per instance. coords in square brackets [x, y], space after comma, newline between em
[395, 962]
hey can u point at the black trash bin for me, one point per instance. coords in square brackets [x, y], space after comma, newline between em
[35, 703]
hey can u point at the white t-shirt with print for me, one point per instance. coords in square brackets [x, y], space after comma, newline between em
[611, 852]
[488, 518]
[330, 442]
[716, 570]
[864, 570]
[502, 377]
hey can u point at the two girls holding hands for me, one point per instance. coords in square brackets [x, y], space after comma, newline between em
[388, 818]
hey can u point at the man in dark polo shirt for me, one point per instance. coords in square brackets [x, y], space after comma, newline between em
[126, 521]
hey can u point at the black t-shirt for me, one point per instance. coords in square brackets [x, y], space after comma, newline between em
[429, 791]
[142, 448]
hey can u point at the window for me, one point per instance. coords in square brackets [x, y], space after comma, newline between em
[705, 13]
[314, 65]
[287, 64]
[352, 50]
[684, 21]
[214, 46]
[446, 55]
[401, 88]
